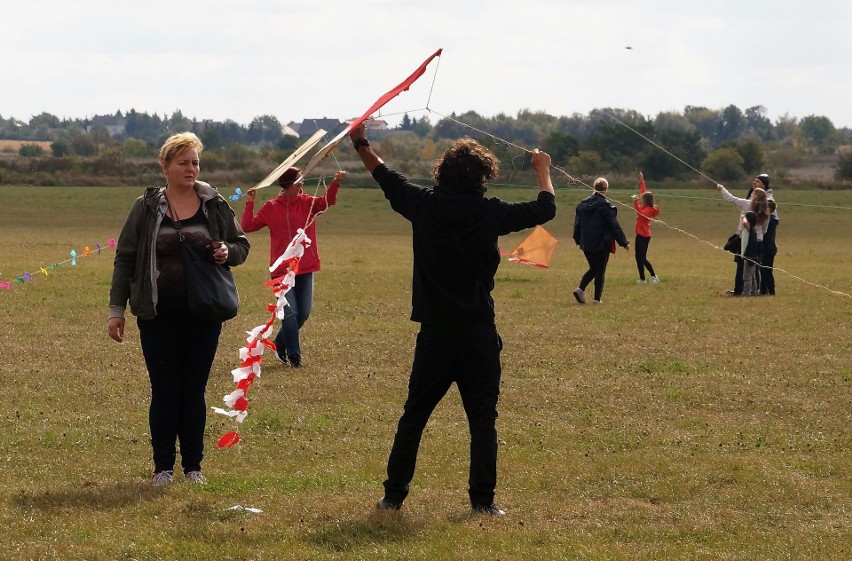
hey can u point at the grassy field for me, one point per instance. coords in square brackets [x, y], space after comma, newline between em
[672, 422]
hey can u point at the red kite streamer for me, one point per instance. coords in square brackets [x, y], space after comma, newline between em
[251, 355]
[403, 86]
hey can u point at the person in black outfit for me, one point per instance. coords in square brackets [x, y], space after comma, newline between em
[455, 230]
[595, 229]
[768, 250]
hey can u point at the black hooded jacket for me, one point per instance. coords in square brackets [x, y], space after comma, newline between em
[455, 245]
[595, 224]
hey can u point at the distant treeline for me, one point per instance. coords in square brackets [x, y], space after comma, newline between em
[727, 144]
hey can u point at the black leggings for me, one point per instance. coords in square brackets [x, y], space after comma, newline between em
[597, 271]
[642, 256]
[179, 351]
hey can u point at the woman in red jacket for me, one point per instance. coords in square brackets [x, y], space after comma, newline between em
[645, 211]
[284, 216]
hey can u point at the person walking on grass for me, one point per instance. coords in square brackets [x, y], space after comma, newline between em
[178, 347]
[645, 211]
[596, 230]
[455, 230]
[284, 215]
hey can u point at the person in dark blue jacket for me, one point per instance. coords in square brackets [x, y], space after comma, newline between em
[455, 229]
[596, 229]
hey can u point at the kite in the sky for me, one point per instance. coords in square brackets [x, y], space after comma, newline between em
[537, 249]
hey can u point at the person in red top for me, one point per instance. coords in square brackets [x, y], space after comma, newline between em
[284, 216]
[645, 211]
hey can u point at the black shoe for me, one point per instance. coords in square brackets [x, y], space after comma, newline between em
[385, 504]
[490, 510]
[280, 358]
[296, 361]
[732, 293]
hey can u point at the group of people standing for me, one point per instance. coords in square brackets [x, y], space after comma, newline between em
[455, 232]
[756, 228]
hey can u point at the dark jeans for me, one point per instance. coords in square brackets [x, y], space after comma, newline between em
[597, 271]
[470, 357]
[642, 262]
[767, 274]
[300, 298]
[179, 351]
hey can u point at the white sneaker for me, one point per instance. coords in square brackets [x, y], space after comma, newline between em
[162, 478]
[596, 301]
[655, 280]
[195, 477]
[580, 295]
[641, 281]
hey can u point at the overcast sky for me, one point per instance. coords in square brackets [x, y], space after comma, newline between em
[237, 59]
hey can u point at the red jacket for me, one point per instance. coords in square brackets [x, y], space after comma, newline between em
[644, 214]
[283, 216]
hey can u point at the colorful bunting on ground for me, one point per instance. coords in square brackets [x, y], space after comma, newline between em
[24, 278]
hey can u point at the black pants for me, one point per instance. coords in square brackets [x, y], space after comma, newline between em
[738, 280]
[767, 273]
[470, 357]
[642, 262]
[179, 351]
[597, 270]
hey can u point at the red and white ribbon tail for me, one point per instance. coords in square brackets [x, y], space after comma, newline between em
[403, 86]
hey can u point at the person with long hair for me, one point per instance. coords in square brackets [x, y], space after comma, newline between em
[284, 215]
[455, 228]
[756, 193]
[178, 347]
[645, 212]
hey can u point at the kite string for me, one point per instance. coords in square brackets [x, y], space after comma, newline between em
[672, 227]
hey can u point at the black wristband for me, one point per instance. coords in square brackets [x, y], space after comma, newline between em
[359, 142]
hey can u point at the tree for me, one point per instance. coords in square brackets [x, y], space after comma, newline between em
[757, 122]
[723, 164]
[30, 151]
[754, 156]
[560, 146]
[585, 163]
[705, 120]
[732, 125]
[83, 145]
[406, 123]
[844, 166]
[60, 148]
[818, 131]
[264, 128]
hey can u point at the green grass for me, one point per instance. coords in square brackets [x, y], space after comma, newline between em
[673, 422]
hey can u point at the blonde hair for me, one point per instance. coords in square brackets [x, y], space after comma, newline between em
[601, 185]
[177, 143]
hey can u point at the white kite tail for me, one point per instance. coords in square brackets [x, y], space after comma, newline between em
[294, 252]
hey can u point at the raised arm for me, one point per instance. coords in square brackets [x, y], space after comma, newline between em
[541, 165]
[359, 139]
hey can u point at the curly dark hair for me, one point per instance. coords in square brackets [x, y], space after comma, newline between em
[466, 167]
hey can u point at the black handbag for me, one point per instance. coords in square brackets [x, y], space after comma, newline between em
[733, 244]
[211, 292]
[210, 288]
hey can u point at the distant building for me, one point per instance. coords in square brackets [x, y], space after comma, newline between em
[114, 124]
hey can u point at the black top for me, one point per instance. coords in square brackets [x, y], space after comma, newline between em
[595, 224]
[455, 245]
